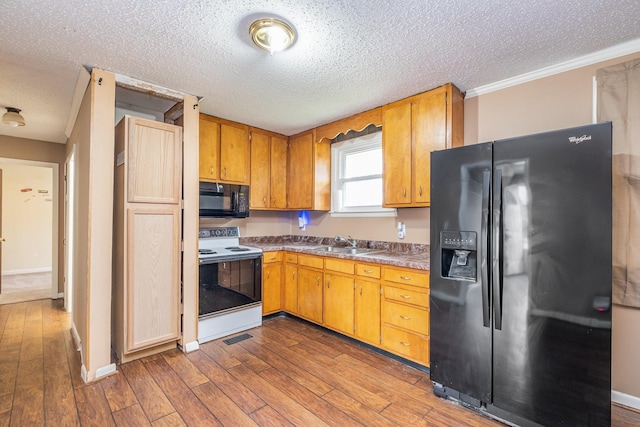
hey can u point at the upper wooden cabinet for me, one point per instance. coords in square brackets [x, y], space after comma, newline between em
[268, 170]
[309, 173]
[411, 129]
[151, 149]
[224, 151]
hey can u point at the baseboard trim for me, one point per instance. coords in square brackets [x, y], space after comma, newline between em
[100, 372]
[83, 373]
[105, 370]
[191, 346]
[26, 271]
[625, 399]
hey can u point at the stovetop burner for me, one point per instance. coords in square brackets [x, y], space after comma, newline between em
[223, 243]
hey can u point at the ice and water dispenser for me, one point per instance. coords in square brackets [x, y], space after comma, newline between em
[459, 255]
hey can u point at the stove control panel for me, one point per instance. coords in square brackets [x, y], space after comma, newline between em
[204, 233]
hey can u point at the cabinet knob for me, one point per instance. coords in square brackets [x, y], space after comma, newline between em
[269, 276]
[264, 200]
[405, 277]
[225, 171]
[329, 283]
[420, 191]
[404, 193]
[368, 271]
[406, 344]
[405, 296]
[360, 290]
[405, 317]
[211, 170]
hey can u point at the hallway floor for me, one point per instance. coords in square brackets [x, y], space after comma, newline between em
[25, 287]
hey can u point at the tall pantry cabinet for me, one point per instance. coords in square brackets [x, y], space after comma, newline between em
[147, 218]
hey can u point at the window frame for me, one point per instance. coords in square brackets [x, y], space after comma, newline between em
[339, 151]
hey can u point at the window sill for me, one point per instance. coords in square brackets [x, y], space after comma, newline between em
[365, 214]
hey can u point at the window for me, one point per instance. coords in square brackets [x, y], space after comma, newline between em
[356, 184]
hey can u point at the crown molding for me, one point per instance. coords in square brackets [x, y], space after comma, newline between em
[616, 51]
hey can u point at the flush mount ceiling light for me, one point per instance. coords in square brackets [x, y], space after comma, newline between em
[272, 34]
[12, 117]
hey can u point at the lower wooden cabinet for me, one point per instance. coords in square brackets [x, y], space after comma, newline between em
[406, 344]
[290, 292]
[339, 303]
[405, 313]
[367, 311]
[385, 306]
[271, 282]
[310, 291]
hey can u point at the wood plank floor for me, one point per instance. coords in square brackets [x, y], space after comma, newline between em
[289, 373]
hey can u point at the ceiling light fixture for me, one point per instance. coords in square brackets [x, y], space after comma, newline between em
[272, 34]
[12, 117]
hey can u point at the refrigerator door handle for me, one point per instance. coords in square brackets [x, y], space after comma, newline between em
[484, 249]
[496, 243]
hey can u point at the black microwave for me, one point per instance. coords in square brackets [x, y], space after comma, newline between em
[224, 200]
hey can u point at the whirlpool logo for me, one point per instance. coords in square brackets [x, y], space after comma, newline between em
[578, 139]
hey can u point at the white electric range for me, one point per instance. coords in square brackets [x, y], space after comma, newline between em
[229, 284]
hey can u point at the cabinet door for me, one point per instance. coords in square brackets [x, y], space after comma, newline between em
[271, 288]
[154, 161]
[396, 152]
[429, 123]
[278, 173]
[310, 294]
[153, 282]
[367, 327]
[300, 176]
[290, 294]
[234, 153]
[209, 150]
[260, 171]
[339, 303]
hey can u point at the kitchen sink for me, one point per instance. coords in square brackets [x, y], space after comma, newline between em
[346, 250]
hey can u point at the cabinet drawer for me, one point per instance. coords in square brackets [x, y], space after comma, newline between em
[406, 296]
[341, 266]
[408, 277]
[368, 271]
[275, 256]
[406, 344]
[404, 316]
[291, 258]
[310, 261]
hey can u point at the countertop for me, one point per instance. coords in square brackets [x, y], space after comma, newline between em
[405, 255]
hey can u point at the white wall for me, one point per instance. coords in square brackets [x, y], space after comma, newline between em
[26, 218]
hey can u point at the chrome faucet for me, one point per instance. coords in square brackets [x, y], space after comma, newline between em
[353, 243]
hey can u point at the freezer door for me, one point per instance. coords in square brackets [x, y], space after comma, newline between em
[459, 302]
[552, 347]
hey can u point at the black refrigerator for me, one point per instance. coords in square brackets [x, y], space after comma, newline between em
[521, 277]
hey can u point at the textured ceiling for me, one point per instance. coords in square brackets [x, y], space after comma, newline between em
[350, 55]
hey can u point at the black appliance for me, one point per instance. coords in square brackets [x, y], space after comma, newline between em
[521, 277]
[223, 200]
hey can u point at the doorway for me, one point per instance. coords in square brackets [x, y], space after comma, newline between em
[29, 267]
